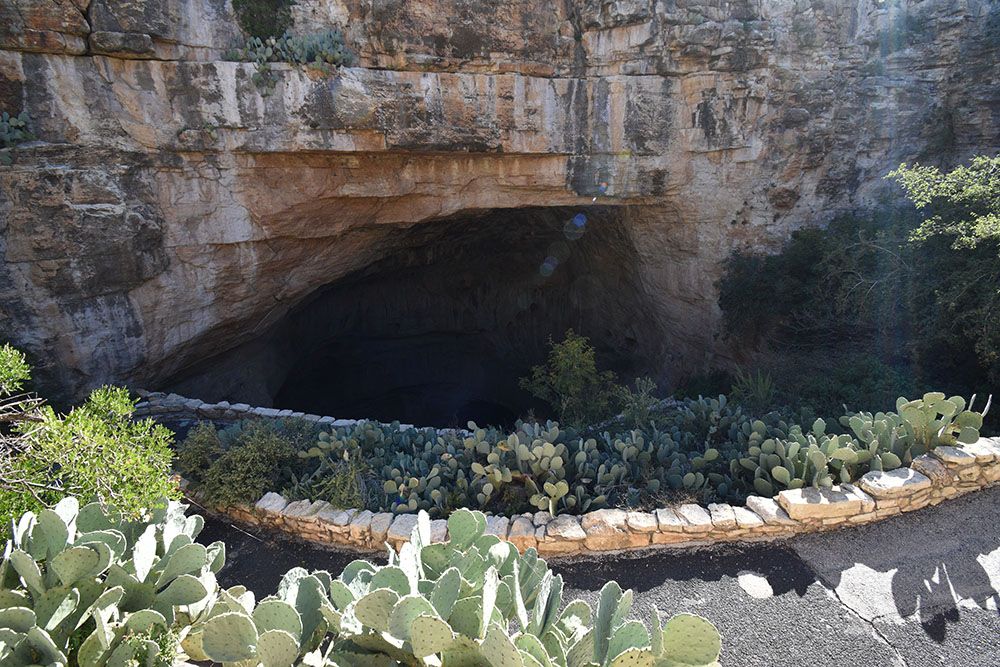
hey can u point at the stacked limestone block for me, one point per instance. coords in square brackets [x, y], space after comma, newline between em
[169, 407]
[947, 472]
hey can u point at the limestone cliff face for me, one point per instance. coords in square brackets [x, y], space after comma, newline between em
[170, 211]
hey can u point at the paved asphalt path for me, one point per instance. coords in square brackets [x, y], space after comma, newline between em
[918, 590]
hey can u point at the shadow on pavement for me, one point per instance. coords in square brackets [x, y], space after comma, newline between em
[926, 566]
[780, 565]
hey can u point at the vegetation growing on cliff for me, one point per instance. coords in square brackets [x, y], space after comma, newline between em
[264, 18]
[899, 299]
[322, 50]
[13, 131]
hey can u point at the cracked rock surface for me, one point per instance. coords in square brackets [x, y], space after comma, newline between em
[172, 210]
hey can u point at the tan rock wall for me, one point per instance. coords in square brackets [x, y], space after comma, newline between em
[171, 210]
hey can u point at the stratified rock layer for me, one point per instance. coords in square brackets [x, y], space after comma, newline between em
[171, 211]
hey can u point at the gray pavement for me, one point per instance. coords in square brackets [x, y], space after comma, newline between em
[919, 590]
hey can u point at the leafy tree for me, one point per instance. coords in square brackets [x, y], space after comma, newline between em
[962, 205]
[571, 383]
[912, 292]
[958, 243]
[96, 451]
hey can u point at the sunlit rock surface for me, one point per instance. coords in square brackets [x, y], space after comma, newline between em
[170, 212]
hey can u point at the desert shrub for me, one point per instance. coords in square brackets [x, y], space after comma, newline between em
[80, 586]
[344, 481]
[958, 241]
[570, 383]
[257, 459]
[638, 405]
[198, 451]
[754, 390]
[96, 451]
[264, 18]
[14, 370]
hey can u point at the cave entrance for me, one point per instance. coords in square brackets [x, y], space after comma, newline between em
[440, 329]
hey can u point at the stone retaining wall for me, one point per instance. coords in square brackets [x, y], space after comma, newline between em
[174, 408]
[945, 473]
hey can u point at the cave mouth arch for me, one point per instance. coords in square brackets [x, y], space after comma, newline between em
[439, 330]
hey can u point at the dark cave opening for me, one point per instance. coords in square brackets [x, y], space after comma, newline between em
[439, 331]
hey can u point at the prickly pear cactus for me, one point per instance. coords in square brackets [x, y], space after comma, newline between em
[80, 586]
[448, 604]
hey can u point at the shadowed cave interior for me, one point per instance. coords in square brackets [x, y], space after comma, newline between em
[440, 329]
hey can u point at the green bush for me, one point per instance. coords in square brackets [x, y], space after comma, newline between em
[258, 459]
[264, 18]
[96, 451]
[14, 370]
[640, 404]
[571, 383]
[80, 586]
[847, 381]
[198, 451]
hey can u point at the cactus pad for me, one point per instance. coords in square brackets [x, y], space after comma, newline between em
[429, 635]
[229, 637]
[404, 612]
[277, 615]
[691, 640]
[277, 648]
[183, 590]
[18, 619]
[374, 609]
[74, 563]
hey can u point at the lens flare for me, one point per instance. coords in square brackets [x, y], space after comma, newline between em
[559, 250]
[575, 227]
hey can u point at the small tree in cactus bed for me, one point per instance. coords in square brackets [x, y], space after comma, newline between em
[570, 382]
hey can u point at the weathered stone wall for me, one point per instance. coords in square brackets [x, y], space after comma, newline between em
[170, 210]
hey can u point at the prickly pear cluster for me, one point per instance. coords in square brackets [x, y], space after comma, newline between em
[708, 448]
[450, 603]
[80, 586]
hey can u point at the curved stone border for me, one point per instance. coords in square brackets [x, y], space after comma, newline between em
[174, 407]
[945, 473]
